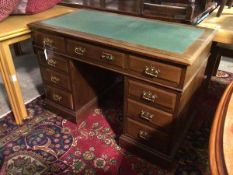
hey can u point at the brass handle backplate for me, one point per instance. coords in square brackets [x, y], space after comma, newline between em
[151, 71]
[146, 115]
[107, 56]
[57, 97]
[52, 62]
[143, 135]
[79, 50]
[148, 96]
[48, 42]
[54, 79]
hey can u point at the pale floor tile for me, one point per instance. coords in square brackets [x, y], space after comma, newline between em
[226, 64]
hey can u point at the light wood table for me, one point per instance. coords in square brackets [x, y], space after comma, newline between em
[222, 24]
[13, 30]
[221, 142]
[223, 39]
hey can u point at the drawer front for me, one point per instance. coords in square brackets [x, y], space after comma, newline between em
[54, 61]
[151, 95]
[111, 57]
[58, 96]
[87, 51]
[148, 115]
[51, 42]
[146, 135]
[55, 78]
[80, 50]
[155, 71]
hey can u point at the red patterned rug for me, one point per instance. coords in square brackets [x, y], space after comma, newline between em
[47, 144]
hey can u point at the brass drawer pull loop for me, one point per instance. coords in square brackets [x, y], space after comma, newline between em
[107, 56]
[151, 71]
[146, 115]
[48, 43]
[52, 62]
[57, 97]
[54, 79]
[143, 135]
[148, 96]
[79, 50]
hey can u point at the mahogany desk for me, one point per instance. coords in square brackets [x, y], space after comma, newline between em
[162, 64]
[13, 30]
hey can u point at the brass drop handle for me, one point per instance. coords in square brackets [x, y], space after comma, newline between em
[143, 135]
[146, 115]
[107, 56]
[79, 50]
[52, 62]
[148, 96]
[151, 71]
[57, 97]
[48, 42]
[54, 79]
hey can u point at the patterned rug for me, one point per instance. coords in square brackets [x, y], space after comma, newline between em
[47, 144]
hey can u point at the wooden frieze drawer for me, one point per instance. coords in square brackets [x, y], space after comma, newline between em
[111, 57]
[56, 78]
[51, 42]
[84, 51]
[147, 135]
[54, 61]
[59, 96]
[155, 71]
[149, 115]
[151, 95]
[80, 50]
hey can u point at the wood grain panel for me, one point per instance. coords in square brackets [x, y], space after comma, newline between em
[148, 115]
[55, 78]
[165, 73]
[163, 98]
[51, 42]
[144, 134]
[59, 96]
[54, 61]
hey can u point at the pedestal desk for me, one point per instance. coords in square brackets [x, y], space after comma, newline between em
[162, 64]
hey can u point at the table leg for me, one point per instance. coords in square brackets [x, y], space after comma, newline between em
[11, 82]
[18, 49]
[211, 64]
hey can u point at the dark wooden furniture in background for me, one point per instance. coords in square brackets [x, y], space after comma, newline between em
[184, 11]
[188, 11]
[158, 84]
[222, 5]
[220, 145]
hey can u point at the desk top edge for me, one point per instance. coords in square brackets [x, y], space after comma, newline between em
[185, 58]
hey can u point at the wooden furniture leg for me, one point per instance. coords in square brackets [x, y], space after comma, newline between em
[211, 64]
[10, 80]
[222, 5]
[217, 51]
[230, 3]
[18, 49]
[217, 58]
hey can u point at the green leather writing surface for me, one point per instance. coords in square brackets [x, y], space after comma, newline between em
[153, 34]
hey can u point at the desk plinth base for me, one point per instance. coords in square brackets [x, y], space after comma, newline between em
[146, 152]
[73, 116]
